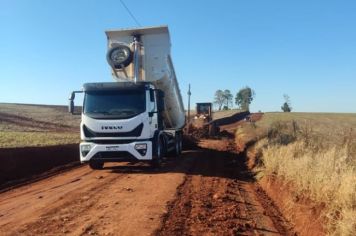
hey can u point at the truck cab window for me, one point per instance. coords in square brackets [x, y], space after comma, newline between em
[114, 104]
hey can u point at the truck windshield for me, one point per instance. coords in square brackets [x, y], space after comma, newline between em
[114, 104]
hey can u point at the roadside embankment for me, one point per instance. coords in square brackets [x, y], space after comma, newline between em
[307, 164]
[36, 141]
[22, 163]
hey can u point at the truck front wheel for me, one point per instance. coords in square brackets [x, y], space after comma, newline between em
[96, 165]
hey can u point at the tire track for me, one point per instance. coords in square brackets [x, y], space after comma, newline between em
[219, 197]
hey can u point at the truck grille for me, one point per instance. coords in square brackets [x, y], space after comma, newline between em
[136, 132]
[114, 156]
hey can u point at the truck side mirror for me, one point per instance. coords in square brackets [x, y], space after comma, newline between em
[71, 106]
[71, 102]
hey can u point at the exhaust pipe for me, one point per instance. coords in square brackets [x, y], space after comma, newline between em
[137, 48]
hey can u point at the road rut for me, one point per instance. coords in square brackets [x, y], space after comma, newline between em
[207, 191]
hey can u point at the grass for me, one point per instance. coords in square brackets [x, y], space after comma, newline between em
[317, 154]
[330, 125]
[24, 125]
[27, 117]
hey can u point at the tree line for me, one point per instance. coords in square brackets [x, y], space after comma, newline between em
[243, 98]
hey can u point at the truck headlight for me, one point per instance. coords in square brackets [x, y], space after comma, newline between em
[141, 148]
[85, 149]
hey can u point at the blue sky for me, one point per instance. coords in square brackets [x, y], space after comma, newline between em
[306, 49]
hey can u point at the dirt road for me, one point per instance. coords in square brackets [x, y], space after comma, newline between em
[208, 191]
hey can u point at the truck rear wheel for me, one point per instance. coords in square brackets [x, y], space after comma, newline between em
[177, 146]
[96, 165]
[180, 143]
[158, 154]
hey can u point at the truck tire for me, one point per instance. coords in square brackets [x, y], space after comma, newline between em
[96, 165]
[177, 146]
[180, 143]
[158, 154]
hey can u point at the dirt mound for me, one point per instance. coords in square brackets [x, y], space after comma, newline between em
[22, 163]
[197, 133]
[253, 117]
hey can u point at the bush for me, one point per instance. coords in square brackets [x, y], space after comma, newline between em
[286, 107]
[282, 133]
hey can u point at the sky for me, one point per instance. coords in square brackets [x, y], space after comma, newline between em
[306, 49]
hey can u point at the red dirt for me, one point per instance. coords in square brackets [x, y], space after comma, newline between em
[20, 164]
[219, 197]
[207, 191]
[119, 200]
[255, 116]
[252, 117]
[305, 215]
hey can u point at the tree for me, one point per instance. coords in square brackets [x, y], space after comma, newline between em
[286, 107]
[219, 98]
[223, 99]
[244, 98]
[228, 98]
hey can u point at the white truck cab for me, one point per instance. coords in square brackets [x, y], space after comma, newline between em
[140, 116]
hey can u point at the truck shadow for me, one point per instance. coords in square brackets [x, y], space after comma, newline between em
[195, 161]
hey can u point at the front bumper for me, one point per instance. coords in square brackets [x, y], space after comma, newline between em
[114, 152]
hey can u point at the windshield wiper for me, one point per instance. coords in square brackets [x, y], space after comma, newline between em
[123, 112]
[99, 112]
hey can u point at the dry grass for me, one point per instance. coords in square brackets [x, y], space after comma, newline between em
[317, 154]
[325, 176]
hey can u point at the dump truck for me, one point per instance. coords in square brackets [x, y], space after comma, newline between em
[140, 116]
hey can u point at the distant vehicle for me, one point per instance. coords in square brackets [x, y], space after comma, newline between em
[203, 111]
[140, 116]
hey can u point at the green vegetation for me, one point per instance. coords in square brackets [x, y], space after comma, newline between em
[286, 107]
[223, 99]
[244, 98]
[9, 139]
[316, 153]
